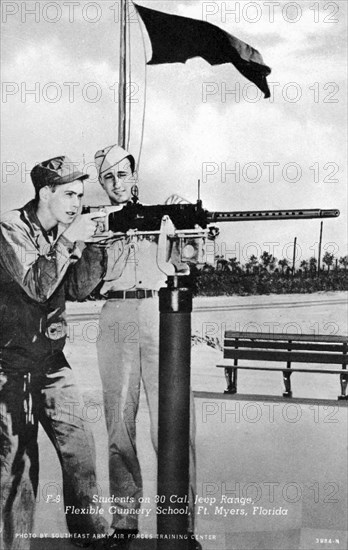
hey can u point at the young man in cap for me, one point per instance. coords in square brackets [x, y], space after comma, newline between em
[128, 350]
[43, 258]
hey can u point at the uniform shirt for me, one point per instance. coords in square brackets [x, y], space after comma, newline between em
[132, 263]
[37, 270]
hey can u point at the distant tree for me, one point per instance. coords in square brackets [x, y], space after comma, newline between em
[343, 261]
[272, 263]
[235, 265]
[283, 263]
[222, 264]
[304, 265]
[328, 260]
[251, 264]
[268, 261]
[313, 264]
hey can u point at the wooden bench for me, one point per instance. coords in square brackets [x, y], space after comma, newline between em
[284, 348]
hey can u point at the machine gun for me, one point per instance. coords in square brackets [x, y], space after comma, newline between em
[184, 229]
[143, 218]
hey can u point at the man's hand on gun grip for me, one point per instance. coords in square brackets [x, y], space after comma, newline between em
[84, 227]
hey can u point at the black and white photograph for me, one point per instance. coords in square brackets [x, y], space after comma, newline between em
[173, 275]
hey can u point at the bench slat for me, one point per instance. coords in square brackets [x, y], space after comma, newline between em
[290, 356]
[295, 337]
[227, 365]
[243, 343]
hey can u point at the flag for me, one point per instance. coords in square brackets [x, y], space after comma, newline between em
[176, 39]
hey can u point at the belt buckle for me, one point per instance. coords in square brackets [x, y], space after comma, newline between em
[140, 293]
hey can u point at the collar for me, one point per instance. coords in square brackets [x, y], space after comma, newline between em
[30, 211]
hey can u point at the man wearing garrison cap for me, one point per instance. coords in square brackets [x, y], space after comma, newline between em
[43, 258]
[128, 350]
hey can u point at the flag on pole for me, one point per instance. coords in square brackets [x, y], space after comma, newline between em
[176, 39]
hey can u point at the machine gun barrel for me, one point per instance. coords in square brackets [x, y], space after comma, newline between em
[264, 215]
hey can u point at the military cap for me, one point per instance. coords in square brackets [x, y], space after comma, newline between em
[55, 171]
[110, 156]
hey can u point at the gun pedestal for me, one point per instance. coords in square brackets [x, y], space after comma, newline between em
[175, 303]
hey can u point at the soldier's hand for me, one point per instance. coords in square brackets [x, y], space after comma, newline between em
[84, 226]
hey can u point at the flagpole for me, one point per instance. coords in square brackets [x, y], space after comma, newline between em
[319, 248]
[122, 76]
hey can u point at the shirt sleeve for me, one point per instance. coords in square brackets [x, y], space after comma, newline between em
[39, 270]
[87, 272]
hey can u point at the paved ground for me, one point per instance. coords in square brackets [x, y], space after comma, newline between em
[289, 460]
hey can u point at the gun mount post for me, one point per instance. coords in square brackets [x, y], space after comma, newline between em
[174, 412]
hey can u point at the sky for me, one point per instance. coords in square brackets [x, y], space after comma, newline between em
[59, 96]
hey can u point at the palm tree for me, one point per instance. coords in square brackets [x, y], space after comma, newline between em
[328, 260]
[343, 261]
[313, 264]
[268, 261]
[283, 264]
[304, 265]
[235, 265]
[251, 264]
[222, 264]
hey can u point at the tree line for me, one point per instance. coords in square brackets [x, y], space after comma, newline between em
[267, 275]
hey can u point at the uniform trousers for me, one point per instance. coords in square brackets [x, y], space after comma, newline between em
[51, 399]
[128, 353]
